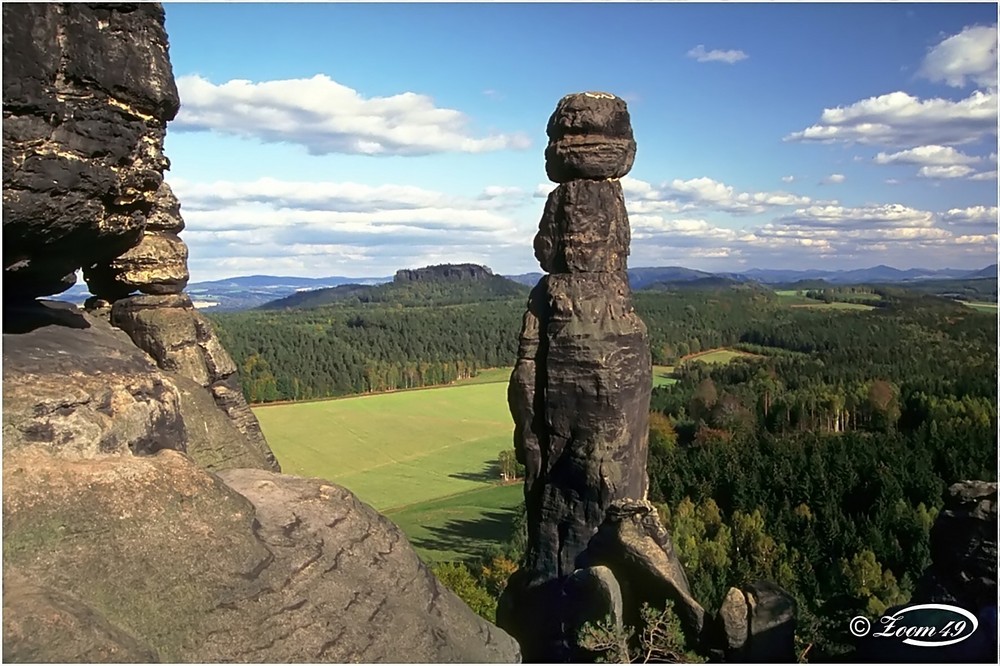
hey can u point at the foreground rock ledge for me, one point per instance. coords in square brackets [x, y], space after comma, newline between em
[155, 559]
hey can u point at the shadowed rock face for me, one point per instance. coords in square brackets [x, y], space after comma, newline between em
[87, 93]
[579, 393]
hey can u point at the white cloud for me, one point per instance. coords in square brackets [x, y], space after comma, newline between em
[928, 156]
[834, 179]
[953, 171]
[899, 119]
[976, 215]
[984, 175]
[327, 117]
[709, 193]
[716, 55]
[970, 57]
[326, 228]
[788, 179]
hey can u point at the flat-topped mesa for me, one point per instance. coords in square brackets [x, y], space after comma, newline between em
[579, 393]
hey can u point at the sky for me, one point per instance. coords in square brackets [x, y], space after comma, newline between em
[357, 139]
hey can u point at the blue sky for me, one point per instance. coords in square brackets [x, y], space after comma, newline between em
[356, 139]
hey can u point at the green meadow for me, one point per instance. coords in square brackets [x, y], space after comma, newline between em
[982, 306]
[395, 449]
[426, 458]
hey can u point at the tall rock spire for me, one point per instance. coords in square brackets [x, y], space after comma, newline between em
[579, 393]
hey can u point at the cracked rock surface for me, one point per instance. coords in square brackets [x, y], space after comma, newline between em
[154, 558]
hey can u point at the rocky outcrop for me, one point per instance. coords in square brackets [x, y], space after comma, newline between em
[155, 559]
[579, 397]
[142, 518]
[87, 93]
[963, 567]
[634, 544]
[181, 340]
[443, 272]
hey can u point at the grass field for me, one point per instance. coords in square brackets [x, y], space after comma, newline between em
[490, 376]
[395, 449]
[982, 306]
[717, 356]
[791, 298]
[425, 458]
[460, 526]
[663, 375]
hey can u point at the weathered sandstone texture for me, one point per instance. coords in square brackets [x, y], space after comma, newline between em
[579, 393]
[579, 397]
[87, 93]
[143, 518]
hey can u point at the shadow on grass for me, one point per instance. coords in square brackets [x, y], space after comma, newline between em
[469, 538]
[489, 474]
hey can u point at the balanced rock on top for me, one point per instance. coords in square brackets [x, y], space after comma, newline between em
[590, 136]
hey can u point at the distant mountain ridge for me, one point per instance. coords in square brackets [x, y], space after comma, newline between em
[251, 291]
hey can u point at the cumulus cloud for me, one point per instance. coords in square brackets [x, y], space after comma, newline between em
[703, 193]
[842, 218]
[953, 171]
[937, 162]
[978, 216]
[928, 156]
[984, 175]
[326, 228]
[729, 57]
[327, 117]
[834, 179]
[970, 57]
[900, 119]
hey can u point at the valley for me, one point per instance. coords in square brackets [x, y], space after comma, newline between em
[772, 410]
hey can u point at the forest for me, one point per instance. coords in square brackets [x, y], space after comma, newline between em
[819, 461]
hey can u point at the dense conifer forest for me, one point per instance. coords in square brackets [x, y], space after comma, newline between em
[818, 461]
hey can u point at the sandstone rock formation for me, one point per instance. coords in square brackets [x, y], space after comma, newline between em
[443, 272]
[143, 516]
[87, 93]
[579, 393]
[155, 559]
[579, 397]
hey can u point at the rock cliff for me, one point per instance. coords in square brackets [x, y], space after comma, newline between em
[143, 515]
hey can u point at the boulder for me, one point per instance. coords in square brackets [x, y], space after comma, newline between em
[181, 340]
[83, 391]
[640, 552]
[772, 615]
[593, 596]
[156, 265]
[590, 136]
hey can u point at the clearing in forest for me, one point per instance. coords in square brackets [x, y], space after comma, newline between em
[395, 449]
[717, 356]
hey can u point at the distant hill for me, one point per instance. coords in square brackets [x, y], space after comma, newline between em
[988, 272]
[446, 284]
[710, 282]
[247, 292]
